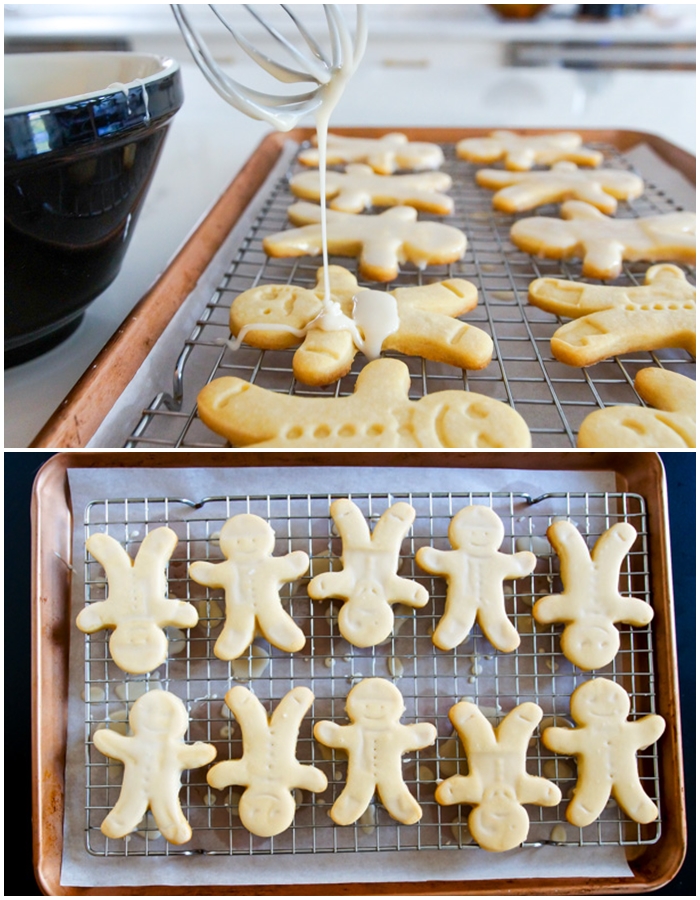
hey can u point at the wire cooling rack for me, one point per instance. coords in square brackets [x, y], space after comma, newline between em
[430, 680]
[552, 397]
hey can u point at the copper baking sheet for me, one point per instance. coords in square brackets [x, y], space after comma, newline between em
[552, 396]
[639, 473]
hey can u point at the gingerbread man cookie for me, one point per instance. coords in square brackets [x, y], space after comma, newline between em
[670, 422]
[498, 784]
[154, 758]
[523, 151]
[137, 606]
[604, 243]
[268, 769]
[368, 583]
[378, 414]
[615, 320]
[385, 155]
[605, 745]
[359, 188]
[374, 743]
[521, 191]
[591, 603]
[251, 578]
[475, 570]
[381, 242]
[273, 316]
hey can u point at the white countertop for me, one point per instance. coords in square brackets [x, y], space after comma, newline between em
[209, 142]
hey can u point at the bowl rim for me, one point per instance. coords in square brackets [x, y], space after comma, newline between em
[169, 66]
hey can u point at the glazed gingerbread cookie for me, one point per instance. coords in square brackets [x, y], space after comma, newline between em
[416, 321]
[605, 743]
[523, 151]
[384, 155]
[378, 414]
[359, 188]
[604, 243]
[668, 421]
[154, 758]
[251, 578]
[591, 603]
[521, 191]
[475, 570]
[368, 583]
[268, 769]
[498, 784]
[137, 605]
[613, 320]
[374, 743]
[380, 242]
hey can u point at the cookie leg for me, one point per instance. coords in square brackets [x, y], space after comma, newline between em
[171, 821]
[280, 629]
[399, 802]
[498, 628]
[126, 815]
[234, 640]
[632, 799]
[455, 624]
[353, 801]
[590, 797]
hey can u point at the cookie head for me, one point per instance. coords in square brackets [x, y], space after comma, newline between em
[476, 529]
[599, 701]
[374, 703]
[499, 822]
[591, 642]
[247, 535]
[160, 713]
[138, 646]
[266, 810]
[366, 614]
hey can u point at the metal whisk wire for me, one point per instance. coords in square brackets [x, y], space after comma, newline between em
[281, 110]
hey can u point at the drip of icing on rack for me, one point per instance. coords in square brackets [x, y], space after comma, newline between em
[374, 314]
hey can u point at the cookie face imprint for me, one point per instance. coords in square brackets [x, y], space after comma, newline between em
[279, 316]
[368, 583]
[154, 758]
[359, 188]
[137, 605]
[591, 603]
[605, 743]
[380, 242]
[251, 578]
[374, 741]
[498, 784]
[378, 414]
[268, 769]
[384, 155]
[522, 191]
[667, 421]
[522, 152]
[475, 570]
[611, 320]
[604, 243]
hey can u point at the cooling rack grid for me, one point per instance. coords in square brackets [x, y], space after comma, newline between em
[552, 397]
[429, 679]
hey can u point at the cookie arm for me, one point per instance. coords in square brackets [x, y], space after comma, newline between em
[207, 573]
[541, 791]
[441, 338]
[330, 734]
[113, 744]
[517, 565]
[418, 736]
[193, 756]
[562, 740]
[230, 771]
[459, 789]
[438, 562]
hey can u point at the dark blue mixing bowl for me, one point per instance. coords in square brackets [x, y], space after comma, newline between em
[83, 133]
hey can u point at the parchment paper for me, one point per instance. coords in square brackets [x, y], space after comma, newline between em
[80, 868]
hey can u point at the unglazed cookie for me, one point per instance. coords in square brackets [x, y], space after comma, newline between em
[137, 605]
[154, 758]
[374, 743]
[498, 784]
[378, 414]
[423, 315]
[251, 578]
[604, 243]
[521, 152]
[359, 188]
[605, 744]
[380, 242]
[670, 422]
[591, 603]
[475, 570]
[385, 155]
[268, 768]
[615, 320]
[521, 191]
[368, 583]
